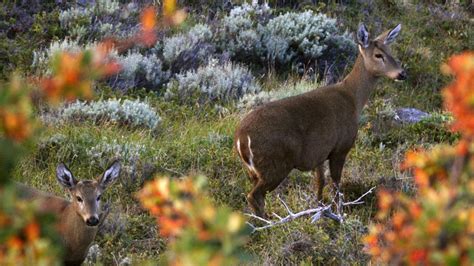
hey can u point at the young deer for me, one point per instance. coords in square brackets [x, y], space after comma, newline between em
[304, 131]
[77, 220]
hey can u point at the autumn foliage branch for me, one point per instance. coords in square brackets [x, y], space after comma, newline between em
[436, 226]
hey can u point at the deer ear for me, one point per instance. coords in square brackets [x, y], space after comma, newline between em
[65, 177]
[389, 36]
[110, 175]
[363, 36]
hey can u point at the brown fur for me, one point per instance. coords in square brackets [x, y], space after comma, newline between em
[71, 216]
[305, 130]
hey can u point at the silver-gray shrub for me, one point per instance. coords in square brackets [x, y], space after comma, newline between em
[42, 57]
[213, 82]
[133, 113]
[238, 32]
[189, 50]
[251, 101]
[303, 36]
[139, 71]
[99, 19]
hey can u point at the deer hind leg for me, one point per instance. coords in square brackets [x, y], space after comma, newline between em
[320, 181]
[266, 183]
[253, 177]
[256, 198]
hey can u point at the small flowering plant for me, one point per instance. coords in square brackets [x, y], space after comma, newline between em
[199, 232]
[437, 226]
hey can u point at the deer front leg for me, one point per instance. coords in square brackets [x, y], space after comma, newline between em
[336, 163]
[320, 182]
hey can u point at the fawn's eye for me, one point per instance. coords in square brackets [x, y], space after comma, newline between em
[98, 197]
[79, 199]
[379, 56]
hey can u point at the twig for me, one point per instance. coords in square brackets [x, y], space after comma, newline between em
[358, 201]
[316, 213]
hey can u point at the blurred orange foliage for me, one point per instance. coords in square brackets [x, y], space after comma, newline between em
[436, 226]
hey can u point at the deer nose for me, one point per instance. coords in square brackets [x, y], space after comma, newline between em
[92, 221]
[402, 75]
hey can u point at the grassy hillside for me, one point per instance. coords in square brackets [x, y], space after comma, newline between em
[196, 135]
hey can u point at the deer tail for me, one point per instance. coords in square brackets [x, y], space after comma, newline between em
[246, 153]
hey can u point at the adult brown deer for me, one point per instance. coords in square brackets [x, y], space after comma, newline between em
[77, 220]
[304, 131]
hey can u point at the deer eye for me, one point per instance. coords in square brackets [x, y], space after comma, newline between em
[98, 197]
[379, 56]
[79, 199]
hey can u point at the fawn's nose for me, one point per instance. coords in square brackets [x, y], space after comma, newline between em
[92, 221]
[402, 75]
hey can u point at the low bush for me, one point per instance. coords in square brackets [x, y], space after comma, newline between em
[213, 82]
[127, 113]
[250, 34]
[238, 33]
[305, 37]
[98, 19]
[190, 50]
[251, 101]
[139, 71]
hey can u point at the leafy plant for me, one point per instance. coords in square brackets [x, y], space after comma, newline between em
[199, 233]
[436, 226]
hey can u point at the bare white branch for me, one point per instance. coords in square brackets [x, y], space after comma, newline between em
[316, 213]
[258, 218]
[286, 206]
[359, 200]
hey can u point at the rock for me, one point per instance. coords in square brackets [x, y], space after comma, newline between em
[94, 255]
[388, 120]
[125, 262]
[409, 115]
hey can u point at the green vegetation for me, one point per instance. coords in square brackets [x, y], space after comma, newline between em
[196, 136]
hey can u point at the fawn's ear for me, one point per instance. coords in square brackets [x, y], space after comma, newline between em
[65, 177]
[110, 175]
[389, 36]
[363, 36]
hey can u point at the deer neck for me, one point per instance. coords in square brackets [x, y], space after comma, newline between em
[360, 83]
[77, 236]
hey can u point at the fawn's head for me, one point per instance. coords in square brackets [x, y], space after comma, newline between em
[86, 194]
[378, 59]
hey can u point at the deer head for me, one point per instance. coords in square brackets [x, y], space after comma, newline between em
[86, 194]
[378, 59]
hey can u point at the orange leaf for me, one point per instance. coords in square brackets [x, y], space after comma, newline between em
[148, 19]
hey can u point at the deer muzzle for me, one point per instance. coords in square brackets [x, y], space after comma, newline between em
[92, 221]
[402, 75]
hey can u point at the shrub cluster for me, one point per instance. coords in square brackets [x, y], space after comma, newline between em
[304, 37]
[127, 112]
[249, 33]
